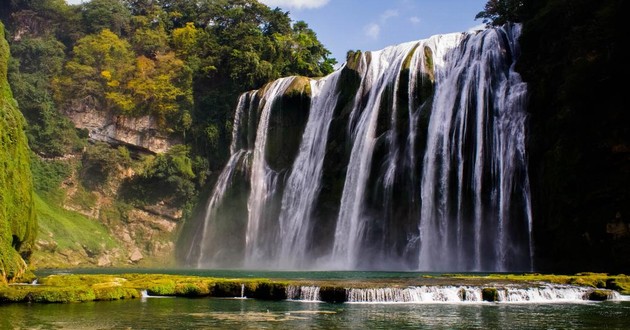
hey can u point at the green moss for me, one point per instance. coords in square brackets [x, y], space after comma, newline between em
[17, 219]
[490, 294]
[197, 289]
[161, 288]
[300, 86]
[598, 295]
[428, 62]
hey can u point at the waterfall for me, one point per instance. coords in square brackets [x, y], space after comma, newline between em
[412, 157]
[475, 162]
[304, 182]
[303, 293]
[263, 181]
[384, 66]
[429, 294]
[472, 294]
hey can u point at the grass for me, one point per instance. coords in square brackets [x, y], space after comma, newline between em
[71, 230]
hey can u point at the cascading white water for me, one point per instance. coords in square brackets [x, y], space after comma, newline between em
[432, 168]
[303, 293]
[263, 181]
[304, 181]
[472, 294]
[476, 131]
[383, 68]
[221, 186]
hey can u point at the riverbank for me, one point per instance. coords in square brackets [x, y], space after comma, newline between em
[414, 287]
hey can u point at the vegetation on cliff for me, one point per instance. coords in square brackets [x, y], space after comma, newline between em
[17, 217]
[181, 65]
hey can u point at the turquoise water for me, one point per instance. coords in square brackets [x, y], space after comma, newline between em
[212, 313]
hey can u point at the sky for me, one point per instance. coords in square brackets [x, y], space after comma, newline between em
[343, 25]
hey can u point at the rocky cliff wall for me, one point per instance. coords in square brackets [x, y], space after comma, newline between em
[105, 126]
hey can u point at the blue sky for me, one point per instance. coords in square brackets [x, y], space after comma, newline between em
[342, 25]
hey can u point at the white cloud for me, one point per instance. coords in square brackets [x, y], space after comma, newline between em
[414, 20]
[297, 4]
[372, 30]
[389, 14]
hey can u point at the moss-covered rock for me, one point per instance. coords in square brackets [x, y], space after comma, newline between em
[490, 294]
[599, 295]
[333, 294]
[17, 218]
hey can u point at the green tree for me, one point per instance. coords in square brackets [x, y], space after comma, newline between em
[149, 39]
[499, 12]
[100, 65]
[167, 177]
[35, 62]
[162, 87]
[106, 14]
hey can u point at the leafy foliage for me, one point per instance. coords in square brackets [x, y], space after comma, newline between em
[499, 12]
[35, 62]
[17, 217]
[99, 162]
[168, 177]
[182, 62]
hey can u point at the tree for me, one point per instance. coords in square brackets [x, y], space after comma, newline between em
[162, 88]
[499, 12]
[35, 62]
[100, 65]
[106, 14]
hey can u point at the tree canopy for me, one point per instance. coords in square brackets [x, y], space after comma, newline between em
[183, 62]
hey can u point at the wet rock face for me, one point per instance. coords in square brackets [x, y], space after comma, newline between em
[287, 120]
[139, 132]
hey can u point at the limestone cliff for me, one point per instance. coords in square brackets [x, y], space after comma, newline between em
[17, 218]
[106, 126]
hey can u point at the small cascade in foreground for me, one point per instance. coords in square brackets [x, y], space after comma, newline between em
[464, 294]
[303, 293]
[451, 294]
[412, 157]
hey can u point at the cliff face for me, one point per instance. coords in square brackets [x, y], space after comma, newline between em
[141, 132]
[580, 138]
[17, 218]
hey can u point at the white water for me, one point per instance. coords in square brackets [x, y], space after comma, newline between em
[480, 102]
[303, 184]
[472, 294]
[216, 198]
[263, 180]
[303, 293]
[383, 68]
[460, 163]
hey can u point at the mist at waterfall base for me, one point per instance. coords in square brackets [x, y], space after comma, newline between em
[408, 158]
